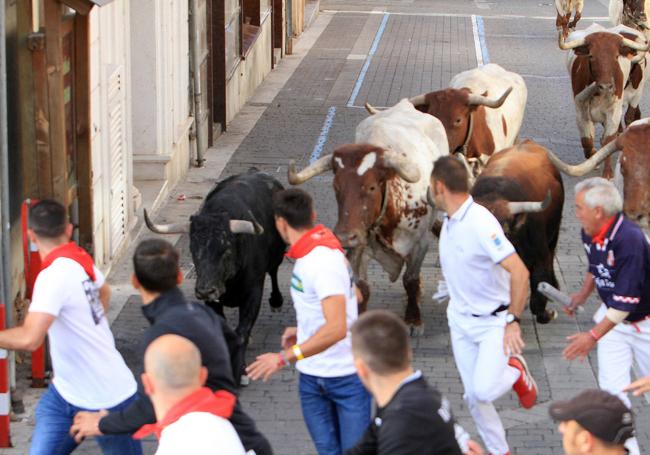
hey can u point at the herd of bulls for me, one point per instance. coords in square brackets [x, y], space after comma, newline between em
[382, 180]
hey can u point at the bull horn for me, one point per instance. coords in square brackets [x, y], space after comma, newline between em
[430, 199]
[417, 100]
[371, 110]
[174, 228]
[245, 227]
[586, 94]
[571, 44]
[530, 207]
[636, 46]
[404, 168]
[479, 100]
[586, 166]
[323, 164]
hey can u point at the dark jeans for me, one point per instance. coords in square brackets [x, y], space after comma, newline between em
[54, 418]
[336, 411]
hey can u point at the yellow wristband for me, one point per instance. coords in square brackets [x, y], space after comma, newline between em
[297, 352]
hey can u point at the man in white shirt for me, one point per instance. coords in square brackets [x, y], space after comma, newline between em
[335, 405]
[488, 286]
[190, 418]
[68, 304]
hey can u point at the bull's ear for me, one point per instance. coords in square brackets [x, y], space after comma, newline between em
[581, 50]
[424, 108]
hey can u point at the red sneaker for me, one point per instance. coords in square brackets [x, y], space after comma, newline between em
[525, 387]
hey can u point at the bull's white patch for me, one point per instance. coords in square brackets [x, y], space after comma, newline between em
[339, 162]
[367, 162]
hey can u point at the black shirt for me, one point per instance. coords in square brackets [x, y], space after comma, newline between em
[416, 421]
[171, 313]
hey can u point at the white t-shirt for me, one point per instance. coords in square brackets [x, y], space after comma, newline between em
[323, 273]
[88, 371]
[200, 433]
[472, 244]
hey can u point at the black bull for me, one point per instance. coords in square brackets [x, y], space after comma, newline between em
[234, 244]
[524, 173]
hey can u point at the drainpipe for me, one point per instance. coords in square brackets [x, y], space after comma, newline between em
[4, 173]
[289, 21]
[195, 63]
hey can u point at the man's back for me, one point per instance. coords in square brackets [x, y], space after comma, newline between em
[417, 420]
[171, 313]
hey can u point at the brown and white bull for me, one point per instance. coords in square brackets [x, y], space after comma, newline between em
[380, 183]
[564, 10]
[607, 69]
[511, 177]
[482, 112]
[632, 172]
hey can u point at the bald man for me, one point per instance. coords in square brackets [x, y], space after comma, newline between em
[190, 418]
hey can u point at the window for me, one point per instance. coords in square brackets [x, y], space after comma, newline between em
[243, 21]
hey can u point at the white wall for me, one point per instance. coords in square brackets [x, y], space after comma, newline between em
[160, 103]
[111, 128]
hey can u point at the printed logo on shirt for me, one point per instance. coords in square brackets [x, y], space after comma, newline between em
[92, 295]
[497, 240]
[604, 271]
[296, 283]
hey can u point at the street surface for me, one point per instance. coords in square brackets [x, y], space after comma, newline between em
[381, 52]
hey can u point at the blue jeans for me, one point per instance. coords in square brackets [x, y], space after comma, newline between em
[336, 411]
[54, 418]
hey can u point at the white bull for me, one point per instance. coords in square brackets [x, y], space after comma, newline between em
[381, 183]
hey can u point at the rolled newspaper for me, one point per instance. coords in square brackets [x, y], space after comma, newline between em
[555, 295]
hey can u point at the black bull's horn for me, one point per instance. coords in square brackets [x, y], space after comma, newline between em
[173, 228]
[236, 227]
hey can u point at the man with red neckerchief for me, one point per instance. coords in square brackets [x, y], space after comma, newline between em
[619, 268]
[335, 404]
[69, 303]
[190, 418]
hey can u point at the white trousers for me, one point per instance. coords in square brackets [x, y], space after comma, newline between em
[477, 344]
[617, 352]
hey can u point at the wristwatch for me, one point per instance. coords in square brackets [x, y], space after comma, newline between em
[510, 318]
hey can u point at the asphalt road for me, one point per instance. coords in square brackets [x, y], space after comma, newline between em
[382, 51]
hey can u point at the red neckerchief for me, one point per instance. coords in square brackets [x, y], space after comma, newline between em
[71, 251]
[317, 236]
[599, 238]
[220, 403]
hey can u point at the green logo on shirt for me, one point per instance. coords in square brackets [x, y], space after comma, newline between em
[296, 283]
